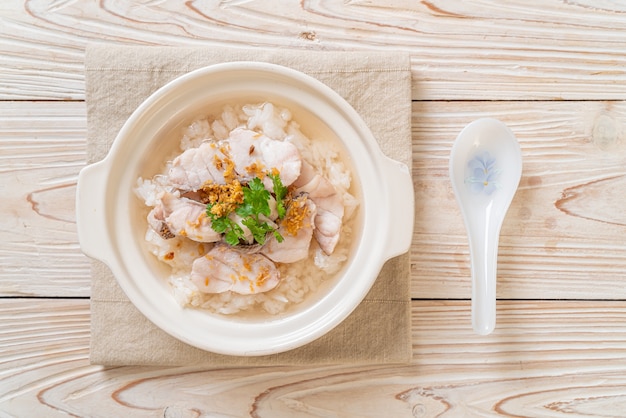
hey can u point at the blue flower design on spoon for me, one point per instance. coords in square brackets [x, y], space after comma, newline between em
[484, 175]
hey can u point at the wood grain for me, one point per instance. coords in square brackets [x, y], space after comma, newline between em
[42, 149]
[565, 224]
[545, 359]
[560, 231]
[560, 341]
[460, 49]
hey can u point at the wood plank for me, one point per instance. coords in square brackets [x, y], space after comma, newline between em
[565, 225]
[563, 234]
[460, 50]
[42, 149]
[544, 359]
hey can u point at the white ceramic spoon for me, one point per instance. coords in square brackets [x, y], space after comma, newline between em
[485, 169]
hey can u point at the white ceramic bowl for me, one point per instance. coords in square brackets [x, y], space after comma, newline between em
[111, 222]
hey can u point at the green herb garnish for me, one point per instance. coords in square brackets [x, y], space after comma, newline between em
[260, 229]
[224, 225]
[280, 192]
[256, 200]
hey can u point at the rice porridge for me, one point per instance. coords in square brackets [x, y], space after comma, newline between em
[250, 214]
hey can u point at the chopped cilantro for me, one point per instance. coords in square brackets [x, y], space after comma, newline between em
[278, 237]
[224, 225]
[280, 192]
[256, 200]
[260, 229]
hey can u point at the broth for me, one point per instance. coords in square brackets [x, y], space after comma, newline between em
[303, 282]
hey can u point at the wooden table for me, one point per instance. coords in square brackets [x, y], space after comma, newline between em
[554, 71]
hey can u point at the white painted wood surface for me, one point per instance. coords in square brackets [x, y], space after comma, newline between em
[559, 349]
[545, 359]
[476, 49]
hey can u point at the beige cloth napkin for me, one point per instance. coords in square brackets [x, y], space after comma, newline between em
[376, 84]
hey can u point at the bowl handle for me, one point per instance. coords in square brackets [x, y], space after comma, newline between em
[90, 215]
[401, 198]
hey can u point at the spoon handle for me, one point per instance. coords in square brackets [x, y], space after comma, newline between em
[484, 256]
